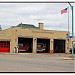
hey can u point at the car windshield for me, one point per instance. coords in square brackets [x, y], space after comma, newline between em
[25, 44]
[41, 44]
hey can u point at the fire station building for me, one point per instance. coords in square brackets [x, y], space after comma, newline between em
[29, 37]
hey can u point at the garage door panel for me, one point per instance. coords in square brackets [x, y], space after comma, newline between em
[4, 46]
[4, 49]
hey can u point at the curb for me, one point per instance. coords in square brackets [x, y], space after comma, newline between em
[68, 59]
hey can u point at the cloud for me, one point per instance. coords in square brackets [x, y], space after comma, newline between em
[49, 13]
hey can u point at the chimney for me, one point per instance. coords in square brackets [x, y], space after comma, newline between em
[41, 26]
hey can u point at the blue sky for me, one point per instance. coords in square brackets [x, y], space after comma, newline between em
[11, 14]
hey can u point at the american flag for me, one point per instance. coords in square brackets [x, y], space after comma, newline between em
[64, 11]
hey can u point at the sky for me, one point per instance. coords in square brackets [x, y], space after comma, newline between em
[12, 14]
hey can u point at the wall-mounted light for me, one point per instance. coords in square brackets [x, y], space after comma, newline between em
[67, 41]
[34, 39]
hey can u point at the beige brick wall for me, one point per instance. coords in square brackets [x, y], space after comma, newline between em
[12, 34]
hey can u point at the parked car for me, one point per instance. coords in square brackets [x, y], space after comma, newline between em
[71, 50]
[41, 47]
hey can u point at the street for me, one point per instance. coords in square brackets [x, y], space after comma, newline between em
[35, 63]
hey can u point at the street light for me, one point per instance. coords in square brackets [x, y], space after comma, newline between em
[72, 30]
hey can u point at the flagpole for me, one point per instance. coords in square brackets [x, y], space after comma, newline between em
[68, 20]
[68, 29]
[72, 29]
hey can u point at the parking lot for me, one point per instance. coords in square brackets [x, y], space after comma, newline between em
[30, 62]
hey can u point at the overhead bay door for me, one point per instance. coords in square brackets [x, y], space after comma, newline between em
[4, 46]
[59, 46]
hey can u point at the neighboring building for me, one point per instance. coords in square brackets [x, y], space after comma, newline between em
[29, 38]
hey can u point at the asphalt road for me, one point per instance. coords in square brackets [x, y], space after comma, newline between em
[35, 63]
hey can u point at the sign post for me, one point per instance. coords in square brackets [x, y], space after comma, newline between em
[72, 29]
[73, 40]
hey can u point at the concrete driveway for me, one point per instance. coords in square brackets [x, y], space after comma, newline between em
[28, 62]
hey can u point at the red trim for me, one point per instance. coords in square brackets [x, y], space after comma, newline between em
[51, 51]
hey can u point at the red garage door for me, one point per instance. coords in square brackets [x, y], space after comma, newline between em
[4, 46]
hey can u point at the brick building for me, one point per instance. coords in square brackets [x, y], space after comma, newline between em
[25, 34]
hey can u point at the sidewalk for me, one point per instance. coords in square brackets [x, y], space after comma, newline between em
[57, 55]
[64, 56]
[68, 58]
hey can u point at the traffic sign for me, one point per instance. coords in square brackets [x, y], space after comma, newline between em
[69, 37]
